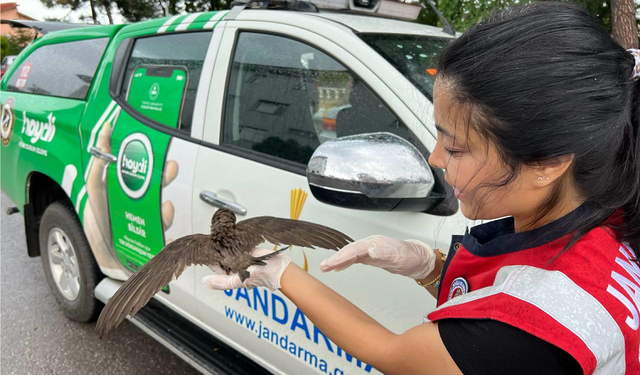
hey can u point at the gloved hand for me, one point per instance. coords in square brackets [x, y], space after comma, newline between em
[267, 276]
[410, 258]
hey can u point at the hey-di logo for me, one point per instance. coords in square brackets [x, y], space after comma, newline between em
[135, 164]
[7, 121]
[39, 130]
[135, 168]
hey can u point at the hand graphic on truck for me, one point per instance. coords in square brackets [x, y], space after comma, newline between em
[96, 213]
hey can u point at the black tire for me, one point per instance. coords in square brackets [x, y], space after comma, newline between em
[60, 219]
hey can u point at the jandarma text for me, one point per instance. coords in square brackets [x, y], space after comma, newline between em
[273, 306]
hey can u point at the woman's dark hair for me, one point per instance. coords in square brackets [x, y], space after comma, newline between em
[545, 80]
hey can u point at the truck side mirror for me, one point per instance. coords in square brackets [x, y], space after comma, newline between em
[374, 171]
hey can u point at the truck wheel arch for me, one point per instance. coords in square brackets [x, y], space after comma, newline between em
[42, 191]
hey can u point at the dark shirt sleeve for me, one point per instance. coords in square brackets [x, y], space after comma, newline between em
[483, 346]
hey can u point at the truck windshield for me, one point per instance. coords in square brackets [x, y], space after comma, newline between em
[415, 56]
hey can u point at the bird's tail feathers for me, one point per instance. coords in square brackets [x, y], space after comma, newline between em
[260, 260]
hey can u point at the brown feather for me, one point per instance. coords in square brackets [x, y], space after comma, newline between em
[229, 246]
[280, 231]
[152, 277]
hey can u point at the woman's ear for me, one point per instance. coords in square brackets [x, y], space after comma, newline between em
[550, 170]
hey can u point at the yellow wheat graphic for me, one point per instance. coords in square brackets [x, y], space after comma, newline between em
[298, 197]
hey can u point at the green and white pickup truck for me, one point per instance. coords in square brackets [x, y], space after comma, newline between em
[117, 139]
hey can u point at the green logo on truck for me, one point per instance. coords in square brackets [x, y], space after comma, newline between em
[8, 121]
[39, 130]
[135, 165]
[154, 91]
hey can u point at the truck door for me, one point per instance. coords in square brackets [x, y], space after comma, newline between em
[150, 135]
[288, 90]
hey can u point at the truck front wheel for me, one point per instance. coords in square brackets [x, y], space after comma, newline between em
[69, 266]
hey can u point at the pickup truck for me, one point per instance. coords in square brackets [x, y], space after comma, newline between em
[118, 139]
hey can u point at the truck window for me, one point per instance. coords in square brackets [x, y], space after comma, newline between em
[415, 56]
[63, 70]
[187, 50]
[285, 97]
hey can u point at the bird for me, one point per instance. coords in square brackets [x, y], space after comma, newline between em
[228, 246]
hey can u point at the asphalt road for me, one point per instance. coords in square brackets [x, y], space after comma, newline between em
[37, 339]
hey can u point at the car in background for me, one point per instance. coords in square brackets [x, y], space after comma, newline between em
[6, 62]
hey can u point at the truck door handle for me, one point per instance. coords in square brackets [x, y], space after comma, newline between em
[102, 155]
[212, 199]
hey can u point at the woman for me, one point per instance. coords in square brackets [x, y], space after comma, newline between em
[538, 118]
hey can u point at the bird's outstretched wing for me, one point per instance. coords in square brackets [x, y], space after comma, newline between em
[153, 276]
[252, 232]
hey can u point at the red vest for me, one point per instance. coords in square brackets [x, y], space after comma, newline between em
[585, 302]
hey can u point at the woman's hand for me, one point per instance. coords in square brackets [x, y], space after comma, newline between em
[410, 258]
[267, 276]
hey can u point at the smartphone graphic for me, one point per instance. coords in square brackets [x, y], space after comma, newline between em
[158, 92]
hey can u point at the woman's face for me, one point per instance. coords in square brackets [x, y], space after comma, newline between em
[473, 166]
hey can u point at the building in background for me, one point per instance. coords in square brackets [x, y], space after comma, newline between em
[9, 11]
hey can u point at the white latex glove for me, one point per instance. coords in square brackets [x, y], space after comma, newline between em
[267, 276]
[410, 258]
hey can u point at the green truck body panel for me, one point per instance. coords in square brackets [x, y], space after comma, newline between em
[46, 142]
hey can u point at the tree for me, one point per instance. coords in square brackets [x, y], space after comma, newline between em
[464, 13]
[205, 5]
[14, 44]
[139, 10]
[4, 46]
[624, 23]
[95, 5]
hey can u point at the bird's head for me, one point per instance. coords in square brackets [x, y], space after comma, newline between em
[223, 220]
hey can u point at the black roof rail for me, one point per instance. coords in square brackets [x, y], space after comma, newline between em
[44, 27]
[300, 6]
